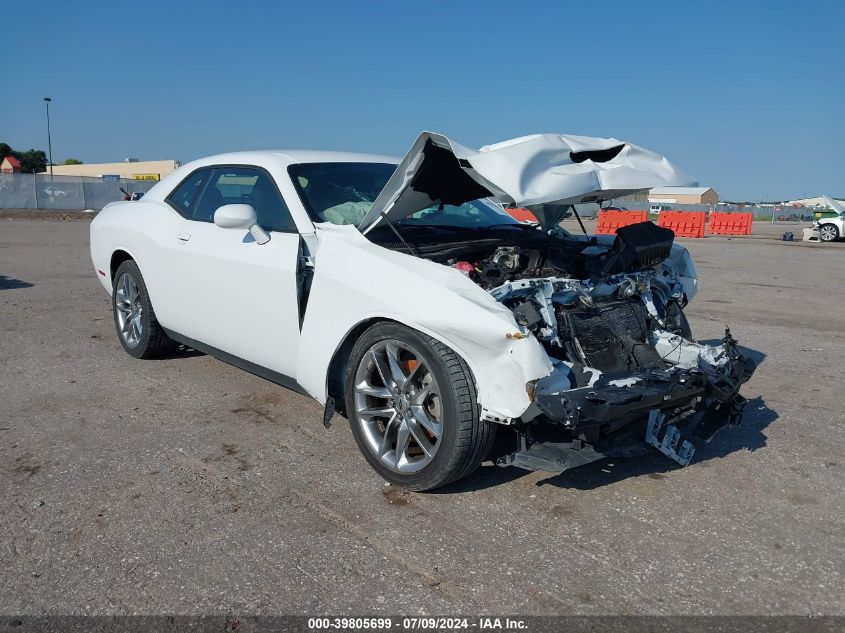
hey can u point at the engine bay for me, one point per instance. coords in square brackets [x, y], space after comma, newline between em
[637, 247]
[592, 305]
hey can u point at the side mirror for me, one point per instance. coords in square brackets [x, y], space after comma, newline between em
[240, 216]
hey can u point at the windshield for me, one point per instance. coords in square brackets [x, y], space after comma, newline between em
[342, 193]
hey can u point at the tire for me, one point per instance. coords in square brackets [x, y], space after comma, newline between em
[444, 440]
[673, 313]
[828, 232]
[137, 328]
[676, 312]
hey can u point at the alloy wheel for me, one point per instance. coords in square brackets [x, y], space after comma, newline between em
[127, 303]
[398, 406]
[828, 233]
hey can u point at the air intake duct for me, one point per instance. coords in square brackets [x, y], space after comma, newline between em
[637, 246]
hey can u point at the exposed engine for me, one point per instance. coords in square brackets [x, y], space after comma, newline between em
[599, 310]
[509, 263]
[619, 342]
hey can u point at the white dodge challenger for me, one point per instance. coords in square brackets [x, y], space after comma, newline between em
[401, 295]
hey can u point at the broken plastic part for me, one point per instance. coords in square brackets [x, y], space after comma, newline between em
[672, 443]
[455, 311]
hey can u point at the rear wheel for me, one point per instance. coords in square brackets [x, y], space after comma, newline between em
[134, 318]
[828, 232]
[412, 406]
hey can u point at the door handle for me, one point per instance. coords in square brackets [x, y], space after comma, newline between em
[184, 236]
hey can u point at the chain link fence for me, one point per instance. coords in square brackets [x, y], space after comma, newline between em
[65, 193]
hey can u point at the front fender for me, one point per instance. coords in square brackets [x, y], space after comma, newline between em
[355, 280]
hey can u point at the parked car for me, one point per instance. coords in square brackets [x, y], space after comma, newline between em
[657, 208]
[135, 195]
[406, 299]
[832, 227]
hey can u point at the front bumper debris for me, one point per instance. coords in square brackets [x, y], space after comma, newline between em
[668, 439]
[608, 401]
[664, 408]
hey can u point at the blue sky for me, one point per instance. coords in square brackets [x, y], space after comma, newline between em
[749, 97]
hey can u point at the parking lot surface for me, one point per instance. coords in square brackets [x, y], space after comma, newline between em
[187, 486]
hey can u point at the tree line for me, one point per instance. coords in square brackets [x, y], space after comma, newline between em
[32, 160]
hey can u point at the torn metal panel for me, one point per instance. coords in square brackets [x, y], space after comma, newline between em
[834, 204]
[434, 299]
[529, 171]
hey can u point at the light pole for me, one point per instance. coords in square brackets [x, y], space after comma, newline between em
[47, 101]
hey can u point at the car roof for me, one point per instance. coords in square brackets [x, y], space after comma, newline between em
[276, 159]
[285, 157]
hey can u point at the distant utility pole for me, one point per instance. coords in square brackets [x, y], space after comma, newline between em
[47, 101]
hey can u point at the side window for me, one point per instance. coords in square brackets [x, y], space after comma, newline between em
[186, 195]
[245, 185]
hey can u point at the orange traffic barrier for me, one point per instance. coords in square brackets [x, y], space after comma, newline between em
[729, 223]
[521, 215]
[683, 223]
[609, 221]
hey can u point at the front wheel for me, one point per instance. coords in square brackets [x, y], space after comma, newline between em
[828, 232]
[676, 313]
[412, 406]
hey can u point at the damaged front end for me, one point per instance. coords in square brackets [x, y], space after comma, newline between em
[667, 406]
[626, 370]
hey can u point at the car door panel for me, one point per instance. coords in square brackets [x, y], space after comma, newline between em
[241, 297]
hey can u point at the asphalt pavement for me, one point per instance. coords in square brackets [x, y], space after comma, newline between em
[187, 486]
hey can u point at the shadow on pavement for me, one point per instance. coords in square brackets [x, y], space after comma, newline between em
[748, 436]
[10, 283]
[183, 351]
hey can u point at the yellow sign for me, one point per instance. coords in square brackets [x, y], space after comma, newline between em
[146, 176]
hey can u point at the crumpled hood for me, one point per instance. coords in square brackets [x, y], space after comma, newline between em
[529, 171]
[833, 204]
